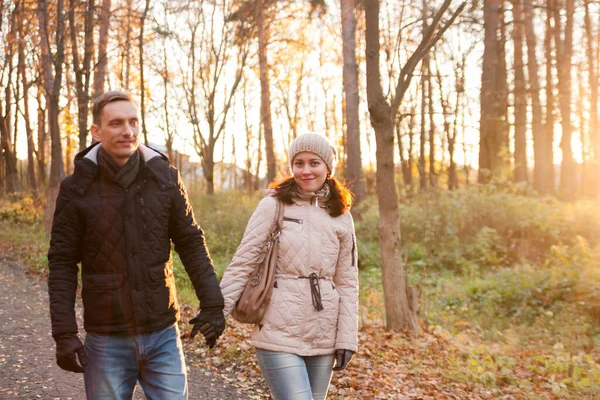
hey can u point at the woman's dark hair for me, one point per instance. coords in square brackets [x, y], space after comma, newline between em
[340, 199]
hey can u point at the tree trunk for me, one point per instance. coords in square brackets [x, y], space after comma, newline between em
[410, 161]
[52, 74]
[492, 142]
[169, 134]
[12, 185]
[594, 122]
[31, 178]
[382, 115]
[100, 71]
[430, 112]
[403, 160]
[208, 166]
[548, 142]
[9, 159]
[124, 74]
[41, 136]
[142, 79]
[82, 71]
[568, 179]
[265, 93]
[354, 173]
[453, 132]
[520, 97]
[542, 171]
[423, 135]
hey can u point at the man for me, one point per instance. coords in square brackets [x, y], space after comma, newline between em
[117, 215]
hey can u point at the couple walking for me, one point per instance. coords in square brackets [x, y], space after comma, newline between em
[117, 215]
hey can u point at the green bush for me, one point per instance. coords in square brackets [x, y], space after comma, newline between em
[484, 228]
[223, 217]
[520, 293]
[587, 290]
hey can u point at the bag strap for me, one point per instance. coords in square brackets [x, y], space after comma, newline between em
[279, 216]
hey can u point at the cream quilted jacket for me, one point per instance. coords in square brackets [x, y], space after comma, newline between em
[311, 241]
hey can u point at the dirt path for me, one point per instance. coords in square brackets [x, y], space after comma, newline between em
[27, 366]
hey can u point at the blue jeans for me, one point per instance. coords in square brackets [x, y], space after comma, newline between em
[117, 362]
[292, 377]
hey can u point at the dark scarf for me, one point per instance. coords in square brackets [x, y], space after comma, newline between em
[124, 175]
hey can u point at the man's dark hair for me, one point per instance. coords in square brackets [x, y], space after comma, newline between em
[104, 99]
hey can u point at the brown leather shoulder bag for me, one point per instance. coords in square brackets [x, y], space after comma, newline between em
[256, 296]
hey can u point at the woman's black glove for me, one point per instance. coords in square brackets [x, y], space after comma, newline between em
[342, 358]
[68, 349]
[210, 322]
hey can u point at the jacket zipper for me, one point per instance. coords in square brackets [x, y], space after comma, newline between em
[142, 209]
[353, 249]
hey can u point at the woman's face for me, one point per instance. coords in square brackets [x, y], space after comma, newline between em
[309, 170]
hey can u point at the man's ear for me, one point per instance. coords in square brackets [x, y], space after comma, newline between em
[95, 133]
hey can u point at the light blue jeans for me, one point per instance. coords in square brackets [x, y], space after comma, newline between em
[292, 377]
[117, 362]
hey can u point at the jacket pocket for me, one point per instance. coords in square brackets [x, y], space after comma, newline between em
[102, 300]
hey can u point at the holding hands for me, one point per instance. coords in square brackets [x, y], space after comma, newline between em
[342, 359]
[210, 322]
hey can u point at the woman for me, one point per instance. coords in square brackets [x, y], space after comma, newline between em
[310, 327]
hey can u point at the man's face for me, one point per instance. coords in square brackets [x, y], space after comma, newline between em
[118, 130]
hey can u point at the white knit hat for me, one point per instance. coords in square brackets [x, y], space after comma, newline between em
[317, 144]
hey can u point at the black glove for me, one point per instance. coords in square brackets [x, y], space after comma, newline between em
[342, 358]
[210, 322]
[68, 349]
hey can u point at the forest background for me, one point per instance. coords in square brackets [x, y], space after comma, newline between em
[468, 132]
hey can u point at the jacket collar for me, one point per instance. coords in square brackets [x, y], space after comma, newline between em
[318, 198]
[87, 169]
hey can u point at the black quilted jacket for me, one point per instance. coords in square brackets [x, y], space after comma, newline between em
[122, 238]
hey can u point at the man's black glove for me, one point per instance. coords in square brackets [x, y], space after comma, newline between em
[342, 358]
[68, 350]
[210, 322]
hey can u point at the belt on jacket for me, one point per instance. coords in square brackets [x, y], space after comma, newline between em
[315, 288]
